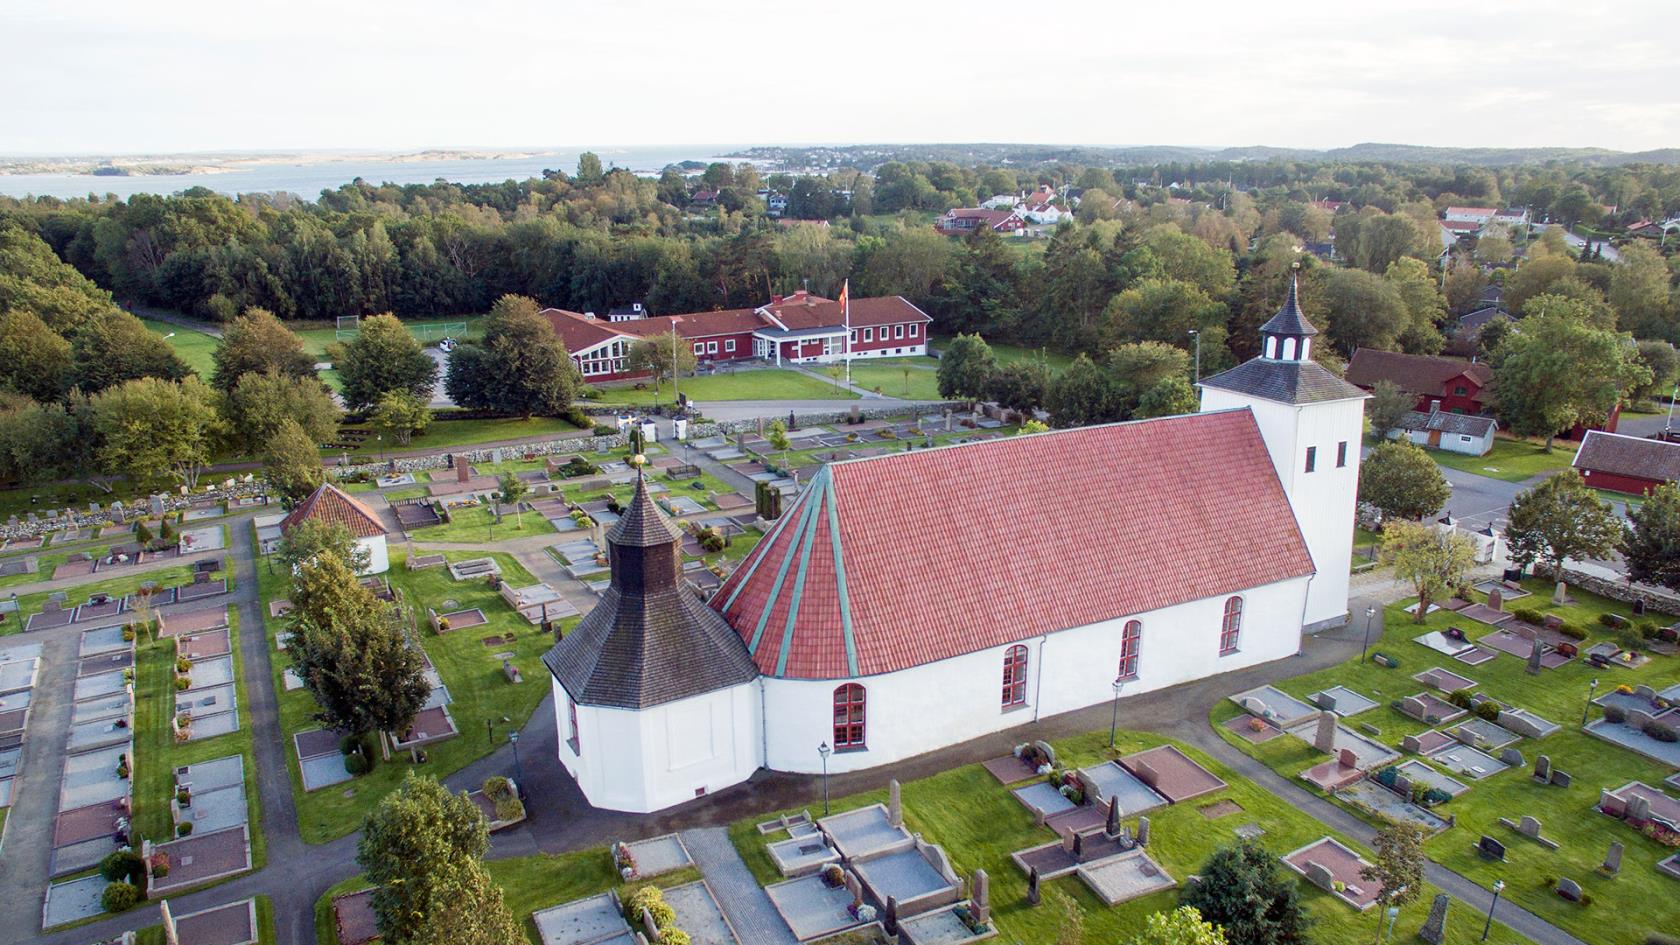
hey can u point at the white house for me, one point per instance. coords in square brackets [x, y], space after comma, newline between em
[912, 601]
[1443, 430]
[334, 506]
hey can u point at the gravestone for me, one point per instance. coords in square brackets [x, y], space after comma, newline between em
[1046, 753]
[1414, 707]
[1512, 758]
[1254, 706]
[1496, 600]
[1078, 847]
[462, 472]
[854, 887]
[648, 924]
[982, 897]
[1112, 828]
[1645, 692]
[1561, 596]
[1561, 778]
[1434, 929]
[1324, 701]
[1347, 759]
[889, 920]
[1613, 859]
[1147, 774]
[1542, 769]
[1568, 888]
[496, 455]
[1143, 832]
[1639, 808]
[1534, 654]
[1639, 606]
[157, 507]
[1412, 744]
[1324, 737]
[895, 804]
[170, 935]
[1402, 785]
[1320, 876]
[1639, 718]
[1490, 848]
[1033, 894]
[1529, 827]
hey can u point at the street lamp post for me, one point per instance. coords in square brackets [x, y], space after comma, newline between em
[1370, 614]
[824, 750]
[518, 773]
[1587, 709]
[1114, 717]
[1196, 334]
[1498, 887]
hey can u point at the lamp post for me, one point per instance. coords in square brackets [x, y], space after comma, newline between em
[1498, 887]
[824, 750]
[1196, 334]
[1114, 717]
[518, 773]
[1370, 614]
[1587, 709]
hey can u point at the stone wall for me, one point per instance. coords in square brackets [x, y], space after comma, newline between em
[1657, 599]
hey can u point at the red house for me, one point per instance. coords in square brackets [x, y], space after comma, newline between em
[961, 221]
[1449, 384]
[1629, 464]
[800, 328]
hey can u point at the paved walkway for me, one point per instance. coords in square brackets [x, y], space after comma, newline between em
[29, 824]
[743, 900]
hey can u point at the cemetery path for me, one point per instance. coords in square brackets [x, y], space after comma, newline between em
[144, 567]
[29, 825]
[742, 899]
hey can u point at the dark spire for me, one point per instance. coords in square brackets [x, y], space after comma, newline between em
[643, 525]
[1290, 320]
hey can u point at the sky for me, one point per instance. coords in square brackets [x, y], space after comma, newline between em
[103, 77]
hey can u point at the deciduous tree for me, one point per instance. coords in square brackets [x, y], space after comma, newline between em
[1398, 870]
[1020, 386]
[1181, 926]
[520, 368]
[510, 489]
[258, 343]
[1388, 405]
[1435, 561]
[34, 359]
[1243, 890]
[399, 415]
[384, 356]
[1559, 519]
[1399, 480]
[1554, 371]
[114, 346]
[662, 357]
[314, 537]
[1082, 395]
[1652, 545]
[291, 464]
[966, 366]
[260, 403]
[151, 427]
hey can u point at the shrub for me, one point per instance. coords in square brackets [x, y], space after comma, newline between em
[577, 418]
[183, 683]
[602, 429]
[122, 866]
[674, 937]
[1460, 699]
[1609, 620]
[183, 665]
[1615, 713]
[1661, 731]
[1528, 615]
[443, 624]
[651, 898]
[183, 797]
[1572, 631]
[1648, 629]
[713, 540]
[120, 897]
[357, 764]
[1488, 710]
[183, 828]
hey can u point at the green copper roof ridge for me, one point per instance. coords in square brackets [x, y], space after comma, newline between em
[809, 536]
[840, 573]
[766, 544]
[781, 576]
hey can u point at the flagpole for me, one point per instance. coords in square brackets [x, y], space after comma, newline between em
[846, 316]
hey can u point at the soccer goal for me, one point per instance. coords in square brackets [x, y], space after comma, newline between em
[432, 331]
[348, 326]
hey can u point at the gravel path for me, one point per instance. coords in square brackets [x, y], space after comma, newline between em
[743, 900]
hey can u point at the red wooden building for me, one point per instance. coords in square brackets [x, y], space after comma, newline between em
[1449, 384]
[1629, 464]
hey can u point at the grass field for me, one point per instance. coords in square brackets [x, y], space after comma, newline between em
[909, 378]
[476, 523]
[194, 347]
[1625, 907]
[318, 337]
[767, 384]
[446, 433]
[979, 824]
[1510, 460]
[1006, 353]
[480, 692]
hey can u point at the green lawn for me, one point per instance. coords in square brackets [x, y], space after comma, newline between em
[1510, 460]
[476, 523]
[979, 824]
[479, 690]
[1624, 908]
[118, 586]
[756, 384]
[909, 378]
[446, 433]
[318, 337]
[1006, 353]
[194, 347]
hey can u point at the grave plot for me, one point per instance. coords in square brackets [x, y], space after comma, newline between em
[1273, 704]
[212, 671]
[15, 566]
[1482, 613]
[52, 615]
[1171, 773]
[699, 914]
[654, 856]
[1610, 655]
[802, 855]
[103, 640]
[73, 900]
[1444, 680]
[1639, 801]
[1252, 729]
[196, 540]
[1337, 773]
[354, 919]
[1427, 743]
[85, 835]
[98, 685]
[1431, 709]
[1470, 762]
[1507, 591]
[207, 712]
[1043, 799]
[202, 858]
[918, 876]
[199, 646]
[1476, 656]
[18, 675]
[682, 506]
[215, 795]
[430, 725]
[1110, 780]
[200, 588]
[1634, 739]
[865, 831]
[1385, 803]
[1419, 773]
[416, 514]
[232, 924]
[94, 665]
[1125, 877]
[459, 620]
[809, 905]
[1367, 753]
[472, 568]
[99, 733]
[1483, 734]
[192, 621]
[99, 607]
[1332, 867]
[1343, 701]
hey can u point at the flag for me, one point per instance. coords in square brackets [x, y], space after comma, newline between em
[846, 302]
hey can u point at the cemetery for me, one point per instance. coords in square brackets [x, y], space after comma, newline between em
[1490, 742]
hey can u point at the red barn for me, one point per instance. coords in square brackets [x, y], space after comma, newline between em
[1629, 464]
[1450, 384]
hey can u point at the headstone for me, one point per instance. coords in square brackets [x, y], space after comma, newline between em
[1568, 888]
[1414, 707]
[1324, 737]
[854, 887]
[1561, 596]
[1143, 832]
[1078, 846]
[1032, 886]
[1113, 826]
[1412, 744]
[1534, 654]
[496, 455]
[157, 507]
[1324, 701]
[1046, 752]
[1402, 785]
[895, 804]
[1320, 876]
[1613, 859]
[1512, 758]
[1645, 692]
[648, 924]
[1490, 848]
[1254, 706]
[1435, 927]
[1529, 826]
[1639, 606]
[463, 472]
[1639, 808]
[1496, 600]
[1542, 769]
[1147, 774]
[982, 897]
[170, 935]
[1347, 759]
[1561, 778]
[889, 921]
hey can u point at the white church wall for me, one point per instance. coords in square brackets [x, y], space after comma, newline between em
[936, 705]
[379, 557]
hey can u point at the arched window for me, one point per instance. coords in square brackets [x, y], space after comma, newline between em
[848, 716]
[1230, 629]
[576, 739]
[1288, 349]
[1271, 346]
[1129, 639]
[1015, 676]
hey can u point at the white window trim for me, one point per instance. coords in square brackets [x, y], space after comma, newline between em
[729, 344]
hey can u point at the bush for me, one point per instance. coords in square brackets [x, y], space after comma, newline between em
[1572, 631]
[122, 866]
[577, 418]
[1615, 713]
[602, 429]
[357, 764]
[712, 540]
[1488, 710]
[651, 898]
[183, 828]
[1648, 630]
[1609, 620]
[1460, 699]
[183, 683]
[674, 937]
[120, 897]
[1661, 731]
[1528, 615]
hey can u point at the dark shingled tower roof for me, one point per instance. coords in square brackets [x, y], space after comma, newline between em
[1289, 319]
[1289, 380]
[650, 640]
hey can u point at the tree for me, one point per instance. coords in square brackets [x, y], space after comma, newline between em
[313, 538]
[1559, 519]
[589, 168]
[151, 427]
[257, 342]
[1425, 308]
[1399, 480]
[260, 403]
[1163, 310]
[1435, 561]
[1181, 926]
[384, 356]
[1553, 372]
[1243, 890]
[1465, 284]
[291, 464]
[1019, 386]
[1166, 398]
[520, 368]
[1362, 310]
[352, 653]
[1536, 277]
[1639, 292]
[34, 359]
[510, 489]
[1388, 405]
[1082, 395]
[966, 367]
[1398, 870]
[1660, 358]
[777, 437]
[661, 356]
[114, 346]
[1652, 545]
[422, 849]
[399, 415]
[1069, 919]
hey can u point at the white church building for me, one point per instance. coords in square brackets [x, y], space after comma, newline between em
[912, 601]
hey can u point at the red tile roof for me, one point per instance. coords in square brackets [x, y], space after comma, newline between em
[577, 331]
[1418, 373]
[812, 311]
[1056, 530]
[1622, 455]
[729, 321]
[332, 505]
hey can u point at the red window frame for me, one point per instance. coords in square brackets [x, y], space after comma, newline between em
[1130, 638]
[576, 740]
[850, 716]
[1015, 676]
[1230, 628]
